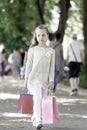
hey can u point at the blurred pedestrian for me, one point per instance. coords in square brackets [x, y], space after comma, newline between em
[16, 63]
[2, 63]
[25, 57]
[22, 53]
[75, 57]
[59, 60]
[39, 73]
[22, 68]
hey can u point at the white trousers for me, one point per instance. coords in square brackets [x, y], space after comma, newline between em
[36, 88]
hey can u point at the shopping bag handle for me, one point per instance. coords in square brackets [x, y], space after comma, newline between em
[49, 92]
[26, 91]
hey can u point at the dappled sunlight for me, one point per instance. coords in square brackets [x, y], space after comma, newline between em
[5, 124]
[84, 116]
[15, 81]
[10, 81]
[71, 101]
[7, 114]
[16, 117]
[71, 112]
[74, 115]
[15, 85]
[5, 96]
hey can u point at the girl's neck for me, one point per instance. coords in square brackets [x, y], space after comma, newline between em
[42, 45]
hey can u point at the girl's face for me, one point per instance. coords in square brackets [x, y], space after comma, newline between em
[42, 36]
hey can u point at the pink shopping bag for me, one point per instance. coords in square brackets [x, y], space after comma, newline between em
[50, 112]
[25, 104]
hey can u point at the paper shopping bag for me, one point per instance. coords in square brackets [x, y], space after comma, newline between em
[50, 112]
[25, 104]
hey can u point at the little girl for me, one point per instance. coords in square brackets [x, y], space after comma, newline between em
[39, 73]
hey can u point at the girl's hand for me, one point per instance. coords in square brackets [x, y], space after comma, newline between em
[50, 85]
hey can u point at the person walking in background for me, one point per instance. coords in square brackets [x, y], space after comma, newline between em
[22, 68]
[16, 63]
[22, 53]
[24, 59]
[25, 56]
[59, 60]
[2, 63]
[39, 73]
[75, 57]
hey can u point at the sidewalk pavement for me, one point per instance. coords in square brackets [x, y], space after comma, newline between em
[72, 109]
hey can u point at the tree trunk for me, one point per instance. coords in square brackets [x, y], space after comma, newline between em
[40, 8]
[64, 8]
[85, 34]
[85, 21]
[22, 7]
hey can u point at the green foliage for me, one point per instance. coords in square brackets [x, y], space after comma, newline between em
[75, 19]
[79, 4]
[83, 81]
[83, 75]
[17, 20]
[48, 7]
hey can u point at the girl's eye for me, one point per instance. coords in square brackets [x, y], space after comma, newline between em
[38, 35]
[43, 35]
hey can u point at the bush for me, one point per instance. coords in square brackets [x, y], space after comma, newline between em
[83, 74]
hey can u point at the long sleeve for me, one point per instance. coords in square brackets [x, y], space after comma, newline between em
[61, 52]
[29, 63]
[52, 67]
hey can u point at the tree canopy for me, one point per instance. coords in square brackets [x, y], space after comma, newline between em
[18, 18]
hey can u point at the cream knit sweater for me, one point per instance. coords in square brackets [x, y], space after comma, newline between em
[40, 65]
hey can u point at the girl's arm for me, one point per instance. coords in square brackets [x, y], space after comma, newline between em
[52, 69]
[29, 63]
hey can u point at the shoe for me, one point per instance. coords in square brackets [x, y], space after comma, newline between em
[39, 126]
[73, 93]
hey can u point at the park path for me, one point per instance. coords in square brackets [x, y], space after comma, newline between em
[73, 109]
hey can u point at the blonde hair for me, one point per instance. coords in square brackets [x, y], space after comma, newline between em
[34, 41]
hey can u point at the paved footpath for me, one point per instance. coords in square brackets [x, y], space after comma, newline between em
[73, 109]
